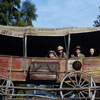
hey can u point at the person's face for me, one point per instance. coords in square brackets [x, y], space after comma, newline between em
[91, 51]
[51, 55]
[60, 51]
[78, 51]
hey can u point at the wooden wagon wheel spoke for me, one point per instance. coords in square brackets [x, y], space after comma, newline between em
[72, 80]
[2, 92]
[85, 92]
[82, 94]
[4, 82]
[76, 79]
[68, 93]
[85, 80]
[80, 80]
[69, 84]
[79, 96]
[86, 85]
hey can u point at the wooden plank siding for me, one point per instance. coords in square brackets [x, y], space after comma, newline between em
[91, 65]
[14, 67]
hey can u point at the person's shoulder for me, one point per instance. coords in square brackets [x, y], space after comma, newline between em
[65, 53]
[73, 56]
[82, 55]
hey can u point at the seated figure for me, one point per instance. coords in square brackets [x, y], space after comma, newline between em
[61, 52]
[78, 52]
[52, 54]
[92, 52]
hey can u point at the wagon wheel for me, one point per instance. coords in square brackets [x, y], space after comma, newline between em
[9, 91]
[5, 82]
[77, 80]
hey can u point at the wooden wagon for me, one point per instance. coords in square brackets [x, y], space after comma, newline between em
[41, 70]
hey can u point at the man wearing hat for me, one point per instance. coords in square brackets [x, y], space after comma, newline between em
[78, 52]
[62, 54]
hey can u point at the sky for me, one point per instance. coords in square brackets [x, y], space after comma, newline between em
[66, 13]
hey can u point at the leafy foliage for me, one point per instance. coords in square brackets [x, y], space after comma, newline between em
[9, 12]
[12, 14]
[97, 21]
[28, 13]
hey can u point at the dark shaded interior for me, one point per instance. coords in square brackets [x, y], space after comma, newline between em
[86, 41]
[11, 45]
[39, 46]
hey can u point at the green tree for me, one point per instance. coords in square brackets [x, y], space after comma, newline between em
[97, 21]
[12, 14]
[28, 12]
[9, 12]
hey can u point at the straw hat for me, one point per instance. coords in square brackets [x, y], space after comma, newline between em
[60, 48]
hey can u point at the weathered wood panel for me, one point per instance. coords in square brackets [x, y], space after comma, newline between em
[15, 76]
[44, 66]
[92, 66]
[62, 70]
[9, 62]
[12, 66]
[4, 62]
[52, 68]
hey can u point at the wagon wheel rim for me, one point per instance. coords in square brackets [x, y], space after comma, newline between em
[78, 79]
[5, 82]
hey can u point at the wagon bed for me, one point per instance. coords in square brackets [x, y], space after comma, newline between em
[45, 68]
